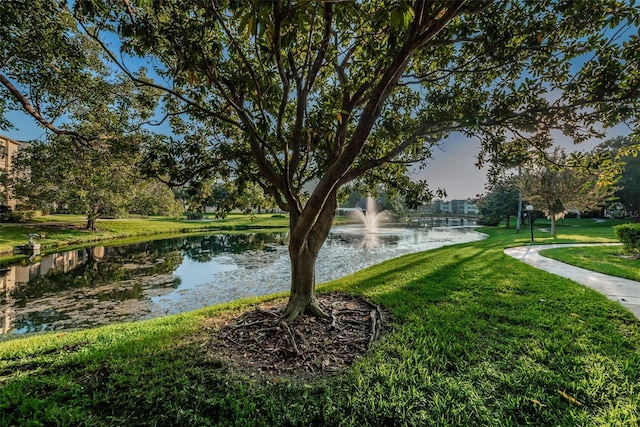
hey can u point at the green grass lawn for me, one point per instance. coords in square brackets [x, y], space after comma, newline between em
[480, 339]
[573, 231]
[604, 259]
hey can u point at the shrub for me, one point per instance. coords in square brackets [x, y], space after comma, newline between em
[18, 216]
[629, 235]
[491, 220]
[195, 215]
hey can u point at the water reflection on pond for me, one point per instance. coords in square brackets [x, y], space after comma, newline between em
[102, 285]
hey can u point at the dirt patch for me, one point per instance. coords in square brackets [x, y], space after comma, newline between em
[635, 256]
[258, 342]
[66, 227]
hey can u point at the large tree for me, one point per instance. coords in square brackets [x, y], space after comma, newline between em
[500, 202]
[304, 97]
[59, 174]
[555, 187]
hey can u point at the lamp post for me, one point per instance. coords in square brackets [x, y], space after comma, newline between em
[529, 209]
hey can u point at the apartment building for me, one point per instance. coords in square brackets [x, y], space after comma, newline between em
[8, 149]
[455, 207]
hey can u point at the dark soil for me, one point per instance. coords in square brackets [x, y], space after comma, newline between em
[258, 342]
[635, 256]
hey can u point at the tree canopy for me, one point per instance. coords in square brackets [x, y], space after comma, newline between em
[555, 188]
[304, 97]
[500, 202]
[58, 174]
[54, 72]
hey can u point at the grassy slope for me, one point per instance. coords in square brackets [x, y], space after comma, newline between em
[481, 339]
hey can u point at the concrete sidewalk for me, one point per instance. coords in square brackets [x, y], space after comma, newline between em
[625, 291]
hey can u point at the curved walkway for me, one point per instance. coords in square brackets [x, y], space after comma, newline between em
[625, 291]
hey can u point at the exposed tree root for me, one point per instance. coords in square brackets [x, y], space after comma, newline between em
[296, 307]
[270, 313]
[292, 339]
[334, 319]
[374, 328]
[261, 342]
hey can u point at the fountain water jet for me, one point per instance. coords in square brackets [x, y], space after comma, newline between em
[370, 217]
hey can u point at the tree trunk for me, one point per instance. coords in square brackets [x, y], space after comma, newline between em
[302, 299]
[91, 222]
[303, 252]
[94, 214]
[553, 225]
[92, 218]
[508, 218]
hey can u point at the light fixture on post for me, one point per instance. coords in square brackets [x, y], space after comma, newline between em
[529, 209]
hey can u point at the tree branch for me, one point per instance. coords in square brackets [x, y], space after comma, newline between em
[35, 113]
[140, 82]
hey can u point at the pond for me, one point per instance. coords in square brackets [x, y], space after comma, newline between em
[108, 284]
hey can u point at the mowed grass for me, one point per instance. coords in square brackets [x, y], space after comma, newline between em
[611, 260]
[570, 231]
[480, 339]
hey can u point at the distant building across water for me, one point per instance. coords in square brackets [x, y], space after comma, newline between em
[455, 207]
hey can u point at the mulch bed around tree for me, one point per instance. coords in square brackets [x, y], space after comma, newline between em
[258, 342]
